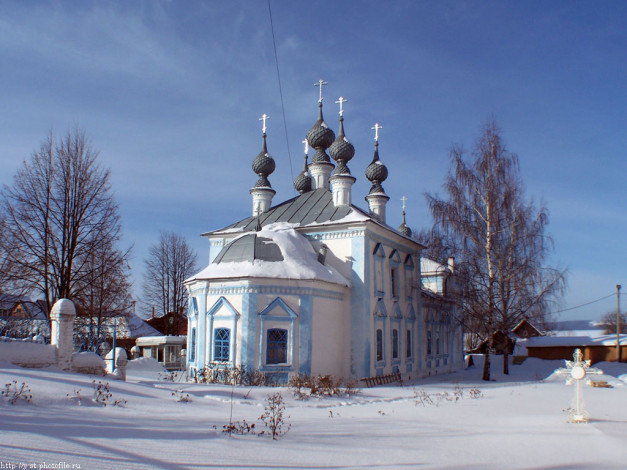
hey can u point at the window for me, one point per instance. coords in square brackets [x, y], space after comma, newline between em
[379, 345]
[192, 352]
[408, 347]
[394, 281]
[428, 343]
[394, 344]
[276, 346]
[379, 257]
[221, 344]
[437, 343]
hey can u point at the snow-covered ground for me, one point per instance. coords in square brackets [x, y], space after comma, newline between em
[519, 422]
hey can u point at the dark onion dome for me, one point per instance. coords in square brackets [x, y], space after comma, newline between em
[302, 183]
[342, 150]
[263, 165]
[403, 228]
[320, 137]
[376, 172]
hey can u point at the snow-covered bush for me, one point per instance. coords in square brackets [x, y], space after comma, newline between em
[182, 397]
[274, 417]
[239, 427]
[239, 375]
[423, 398]
[76, 397]
[103, 395]
[304, 386]
[14, 392]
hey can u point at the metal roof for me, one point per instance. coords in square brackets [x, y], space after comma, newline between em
[249, 248]
[311, 207]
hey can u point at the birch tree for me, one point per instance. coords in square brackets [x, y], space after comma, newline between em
[498, 239]
[170, 261]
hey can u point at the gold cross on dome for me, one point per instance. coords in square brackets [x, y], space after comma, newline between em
[376, 128]
[341, 101]
[263, 118]
[320, 83]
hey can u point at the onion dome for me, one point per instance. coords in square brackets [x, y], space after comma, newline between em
[342, 151]
[376, 172]
[320, 137]
[263, 165]
[302, 183]
[403, 228]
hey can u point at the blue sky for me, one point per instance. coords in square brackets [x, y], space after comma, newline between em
[170, 93]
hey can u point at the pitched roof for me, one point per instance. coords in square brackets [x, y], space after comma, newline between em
[308, 208]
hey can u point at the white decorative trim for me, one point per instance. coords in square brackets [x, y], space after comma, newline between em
[280, 290]
[336, 235]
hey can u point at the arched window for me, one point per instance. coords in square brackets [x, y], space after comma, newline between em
[429, 344]
[276, 346]
[394, 344]
[192, 350]
[221, 344]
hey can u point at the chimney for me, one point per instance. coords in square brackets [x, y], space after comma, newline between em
[322, 253]
[451, 264]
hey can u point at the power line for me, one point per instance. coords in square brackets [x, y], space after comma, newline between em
[278, 74]
[587, 303]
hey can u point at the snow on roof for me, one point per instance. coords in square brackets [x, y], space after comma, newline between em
[429, 266]
[300, 260]
[139, 327]
[552, 341]
[157, 340]
[575, 328]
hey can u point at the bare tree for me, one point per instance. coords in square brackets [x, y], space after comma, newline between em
[170, 261]
[102, 294]
[498, 240]
[59, 210]
[608, 322]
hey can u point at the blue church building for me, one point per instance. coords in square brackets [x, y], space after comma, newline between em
[316, 285]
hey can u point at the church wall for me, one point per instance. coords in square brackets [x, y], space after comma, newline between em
[361, 344]
[442, 338]
[330, 339]
[278, 310]
[347, 254]
[395, 309]
[310, 313]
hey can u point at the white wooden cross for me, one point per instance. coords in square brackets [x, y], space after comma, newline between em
[376, 128]
[321, 83]
[306, 142]
[263, 118]
[341, 101]
[576, 371]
